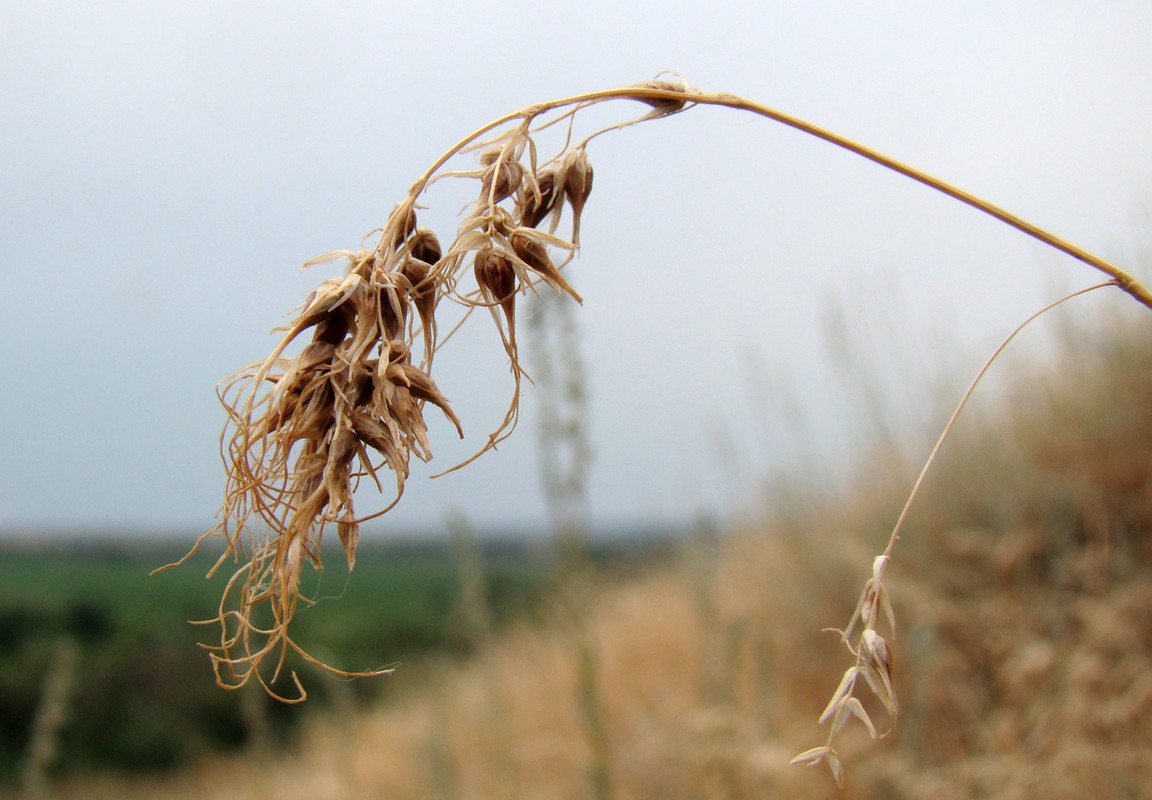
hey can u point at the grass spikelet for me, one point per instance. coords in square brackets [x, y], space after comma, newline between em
[341, 398]
[871, 652]
[497, 280]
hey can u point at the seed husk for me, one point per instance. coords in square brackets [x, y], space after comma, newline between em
[422, 387]
[315, 354]
[335, 326]
[403, 217]
[425, 245]
[502, 224]
[507, 175]
[535, 256]
[577, 188]
[423, 291]
[497, 280]
[393, 310]
[537, 205]
[349, 532]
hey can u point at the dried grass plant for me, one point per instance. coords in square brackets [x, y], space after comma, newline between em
[1022, 589]
[564, 462]
[304, 431]
[51, 718]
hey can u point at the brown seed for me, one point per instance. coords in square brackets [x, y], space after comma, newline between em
[507, 175]
[417, 271]
[393, 310]
[578, 184]
[497, 280]
[334, 326]
[364, 386]
[502, 223]
[577, 188]
[536, 207]
[423, 293]
[422, 387]
[532, 253]
[379, 437]
[535, 257]
[425, 245]
[315, 354]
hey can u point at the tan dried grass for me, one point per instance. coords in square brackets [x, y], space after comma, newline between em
[1024, 658]
[304, 431]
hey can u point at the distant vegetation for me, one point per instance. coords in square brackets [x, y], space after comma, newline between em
[1024, 597]
[142, 695]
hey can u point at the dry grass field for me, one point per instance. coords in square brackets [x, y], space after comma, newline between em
[1023, 653]
[1021, 587]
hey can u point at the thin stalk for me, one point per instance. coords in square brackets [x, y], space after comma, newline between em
[964, 401]
[1119, 277]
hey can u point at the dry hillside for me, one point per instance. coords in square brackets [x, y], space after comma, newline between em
[1023, 656]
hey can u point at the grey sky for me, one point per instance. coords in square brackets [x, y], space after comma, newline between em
[167, 167]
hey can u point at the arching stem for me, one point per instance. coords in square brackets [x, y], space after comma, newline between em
[964, 401]
[689, 97]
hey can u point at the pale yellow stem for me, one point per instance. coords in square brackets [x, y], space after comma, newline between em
[694, 97]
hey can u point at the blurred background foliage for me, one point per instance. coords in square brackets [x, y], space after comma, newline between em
[688, 666]
[142, 695]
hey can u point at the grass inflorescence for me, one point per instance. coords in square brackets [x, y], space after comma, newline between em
[304, 431]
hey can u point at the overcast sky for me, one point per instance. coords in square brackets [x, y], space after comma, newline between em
[166, 168]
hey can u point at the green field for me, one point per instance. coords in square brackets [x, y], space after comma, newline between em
[138, 655]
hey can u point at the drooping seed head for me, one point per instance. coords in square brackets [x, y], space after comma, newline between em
[578, 183]
[876, 667]
[379, 437]
[338, 468]
[393, 352]
[417, 272]
[494, 274]
[365, 384]
[349, 533]
[329, 295]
